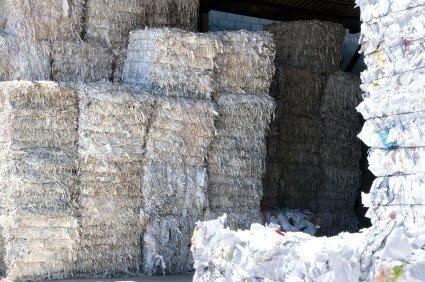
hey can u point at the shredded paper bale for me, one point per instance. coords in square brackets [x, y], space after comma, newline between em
[22, 59]
[198, 65]
[110, 22]
[174, 182]
[172, 13]
[245, 62]
[236, 161]
[113, 124]
[312, 45]
[42, 19]
[80, 62]
[317, 158]
[173, 61]
[38, 165]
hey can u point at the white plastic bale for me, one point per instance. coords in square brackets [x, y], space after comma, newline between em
[371, 9]
[396, 190]
[394, 60]
[412, 215]
[398, 161]
[268, 253]
[404, 130]
[403, 27]
[392, 95]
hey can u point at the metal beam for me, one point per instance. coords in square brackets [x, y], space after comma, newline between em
[353, 61]
[278, 12]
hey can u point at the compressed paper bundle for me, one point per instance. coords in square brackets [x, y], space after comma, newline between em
[38, 162]
[77, 61]
[113, 124]
[173, 61]
[236, 160]
[42, 19]
[393, 42]
[110, 22]
[172, 13]
[312, 45]
[318, 161]
[380, 253]
[245, 62]
[175, 182]
[23, 59]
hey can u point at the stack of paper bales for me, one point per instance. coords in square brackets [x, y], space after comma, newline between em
[236, 161]
[175, 182]
[175, 174]
[38, 179]
[172, 61]
[47, 44]
[393, 43]
[113, 124]
[314, 156]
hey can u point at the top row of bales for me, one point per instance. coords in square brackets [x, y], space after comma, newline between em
[200, 66]
[100, 21]
[79, 40]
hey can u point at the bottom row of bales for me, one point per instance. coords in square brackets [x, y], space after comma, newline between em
[103, 180]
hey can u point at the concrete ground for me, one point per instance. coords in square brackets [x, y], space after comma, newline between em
[175, 278]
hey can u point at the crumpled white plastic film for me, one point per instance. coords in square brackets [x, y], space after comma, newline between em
[393, 249]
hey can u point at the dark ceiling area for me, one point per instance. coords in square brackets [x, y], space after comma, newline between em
[340, 11]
